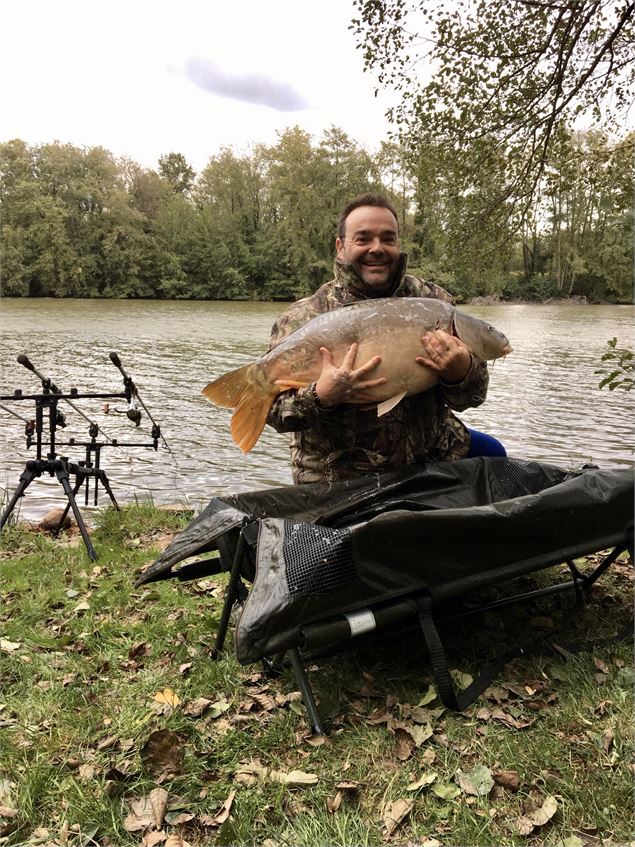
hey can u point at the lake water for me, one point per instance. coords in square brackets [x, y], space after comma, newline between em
[543, 400]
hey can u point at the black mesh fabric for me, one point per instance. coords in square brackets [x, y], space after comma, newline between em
[317, 559]
[517, 478]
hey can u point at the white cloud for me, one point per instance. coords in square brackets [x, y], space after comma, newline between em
[104, 74]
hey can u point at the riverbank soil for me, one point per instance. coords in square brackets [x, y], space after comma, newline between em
[116, 727]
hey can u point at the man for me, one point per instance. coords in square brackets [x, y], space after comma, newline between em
[332, 439]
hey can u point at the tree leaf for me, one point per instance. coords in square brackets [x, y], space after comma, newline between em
[478, 781]
[545, 812]
[394, 813]
[446, 791]
[424, 779]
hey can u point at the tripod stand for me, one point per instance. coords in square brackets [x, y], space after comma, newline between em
[49, 417]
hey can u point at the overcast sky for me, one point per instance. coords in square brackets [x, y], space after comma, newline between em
[148, 77]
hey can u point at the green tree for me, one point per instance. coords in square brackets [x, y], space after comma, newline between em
[492, 78]
[175, 169]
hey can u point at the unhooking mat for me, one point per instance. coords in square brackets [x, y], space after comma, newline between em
[448, 528]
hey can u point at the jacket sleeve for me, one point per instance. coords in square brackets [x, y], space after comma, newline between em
[471, 391]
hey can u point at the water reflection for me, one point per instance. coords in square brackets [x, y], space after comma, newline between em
[543, 400]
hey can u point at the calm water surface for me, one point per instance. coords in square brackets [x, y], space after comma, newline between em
[543, 400]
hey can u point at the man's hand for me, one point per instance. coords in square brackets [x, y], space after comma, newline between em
[346, 384]
[446, 354]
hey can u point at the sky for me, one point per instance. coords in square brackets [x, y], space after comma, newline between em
[144, 78]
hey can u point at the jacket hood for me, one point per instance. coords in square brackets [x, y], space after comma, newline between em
[347, 278]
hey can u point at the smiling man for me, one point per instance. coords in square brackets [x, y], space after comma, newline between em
[333, 439]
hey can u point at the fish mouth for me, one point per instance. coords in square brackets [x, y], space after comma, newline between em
[507, 349]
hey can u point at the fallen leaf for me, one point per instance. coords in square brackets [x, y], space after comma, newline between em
[380, 715]
[251, 772]
[151, 839]
[176, 841]
[570, 841]
[545, 812]
[496, 693]
[265, 701]
[428, 697]
[86, 773]
[608, 737]
[404, 744]
[108, 742]
[600, 665]
[218, 708]
[424, 779]
[167, 697]
[159, 802]
[508, 779]
[225, 809]
[162, 753]
[348, 785]
[294, 779]
[144, 811]
[195, 708]
[478, 781]
[510, 720]
[421, 733]
[333, 803]
[446, 791]
[523, 826]
[7, 646]
[395, 813]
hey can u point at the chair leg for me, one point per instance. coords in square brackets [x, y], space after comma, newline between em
[230, 598]
[307, 692]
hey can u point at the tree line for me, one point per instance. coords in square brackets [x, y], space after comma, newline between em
[78, 222]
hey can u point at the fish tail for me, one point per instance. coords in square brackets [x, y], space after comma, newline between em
[251, 399]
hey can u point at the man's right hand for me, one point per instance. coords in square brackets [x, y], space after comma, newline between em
[346, 384]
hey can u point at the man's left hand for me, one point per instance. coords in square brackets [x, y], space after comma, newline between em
[446, 354]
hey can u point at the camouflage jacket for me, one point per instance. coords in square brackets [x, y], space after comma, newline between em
[347, 441]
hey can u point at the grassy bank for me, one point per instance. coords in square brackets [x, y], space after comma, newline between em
[116, 728]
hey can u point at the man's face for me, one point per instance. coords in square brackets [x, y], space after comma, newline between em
[371, 245]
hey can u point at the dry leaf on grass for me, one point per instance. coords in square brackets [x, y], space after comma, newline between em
[162, 753]
[151, 839]
[446, 791]
[176, 841]
[164, 702]
[424, 779]
[477, 782]
[195, 708]
[333, 803]
[525, 824]
[148, 811]
[508, 779]
[251, 772]
[224, 811]
[404, 744]
[348, 785]
[395, 813]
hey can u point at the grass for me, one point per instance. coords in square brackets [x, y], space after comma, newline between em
[100, 706]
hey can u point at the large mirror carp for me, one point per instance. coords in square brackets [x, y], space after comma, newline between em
[389, 327]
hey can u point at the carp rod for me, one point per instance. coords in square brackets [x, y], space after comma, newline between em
[132, 394]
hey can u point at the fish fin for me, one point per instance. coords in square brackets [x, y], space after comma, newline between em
[250, 400]
[390, 403]
[285, 384]
[248, 421]
[228, 389]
